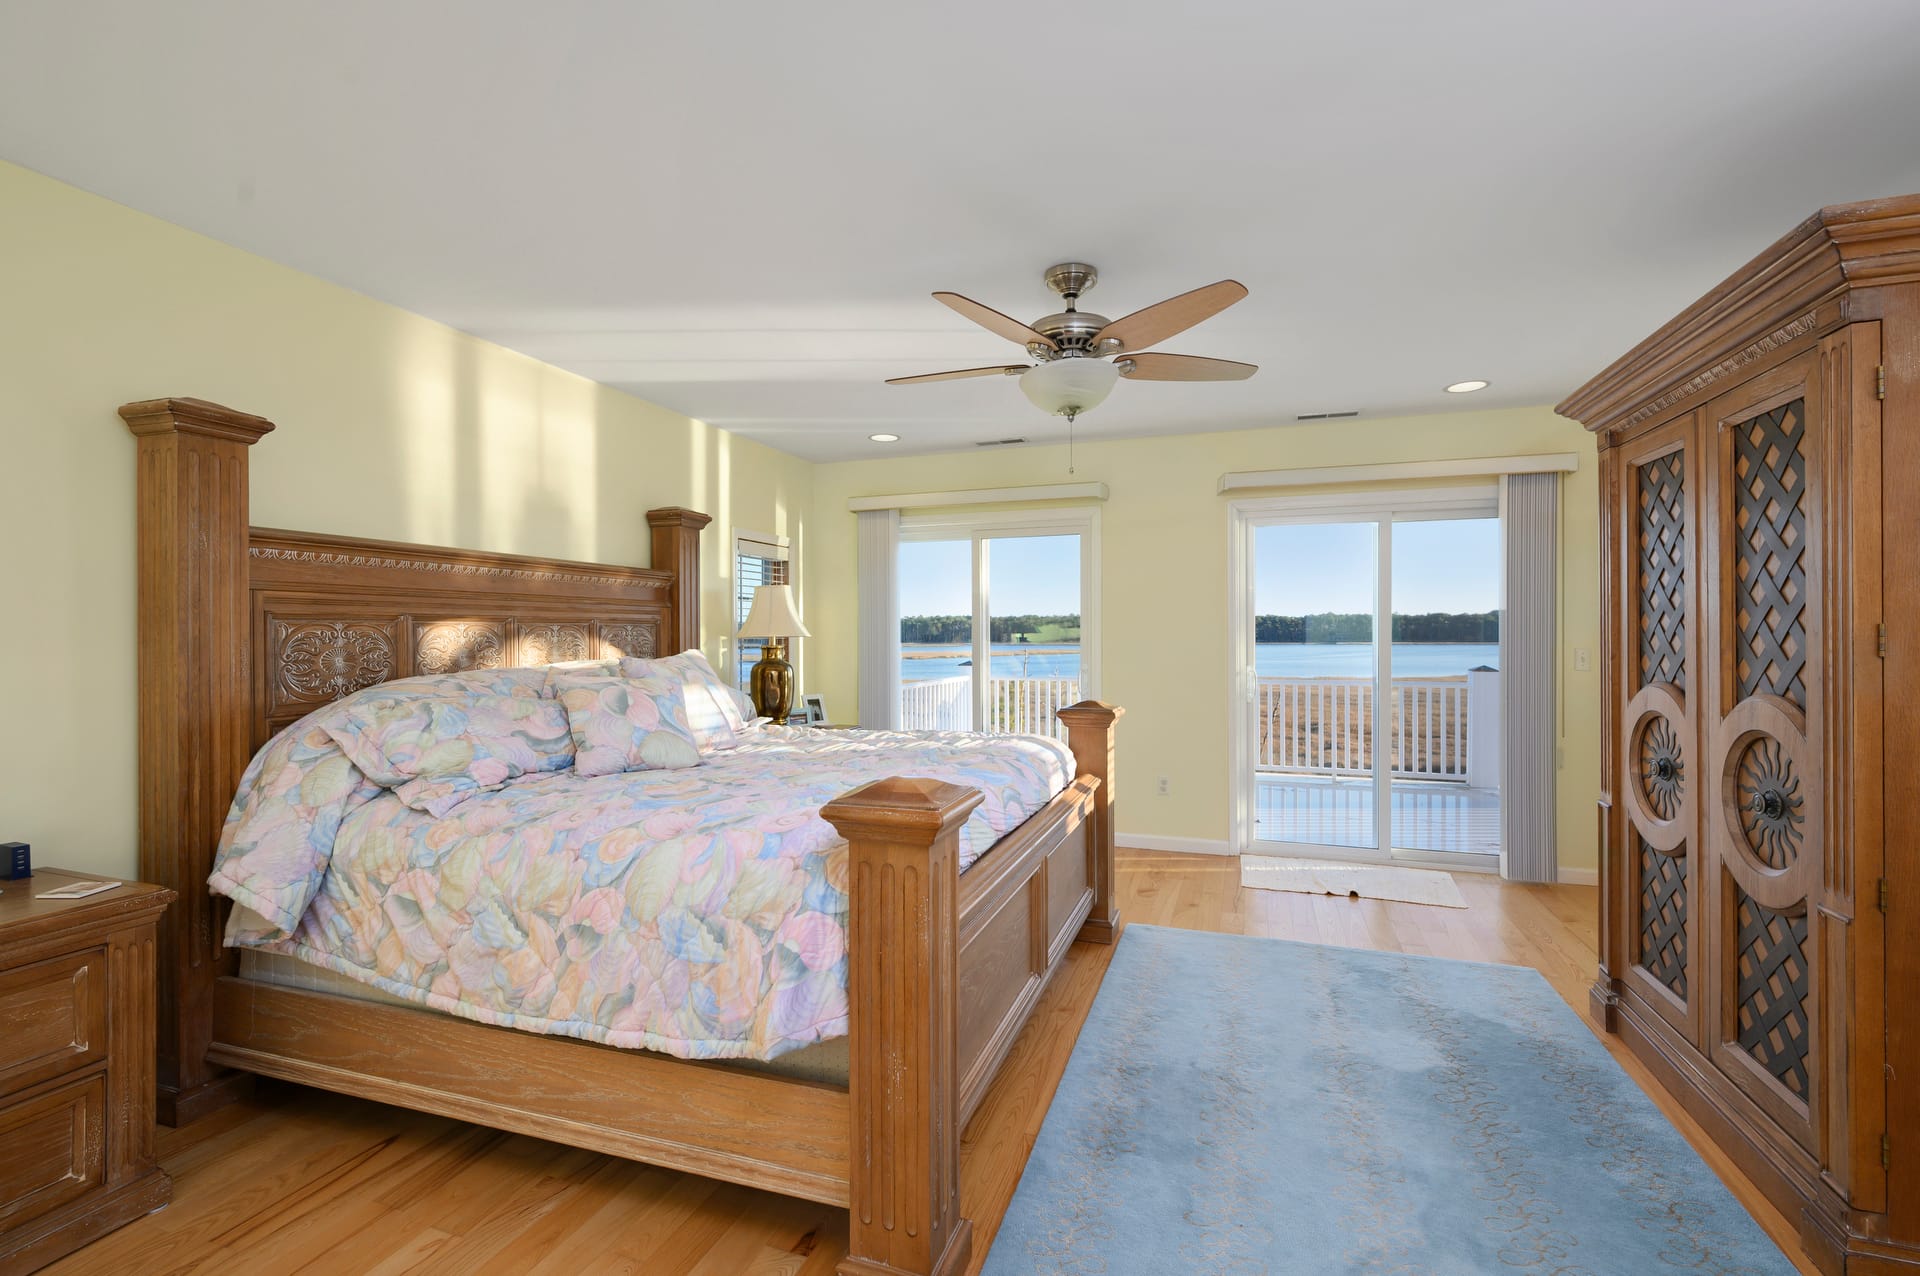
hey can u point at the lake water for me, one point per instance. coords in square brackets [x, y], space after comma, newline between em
[920, 662]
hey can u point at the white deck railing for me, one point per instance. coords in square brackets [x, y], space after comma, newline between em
[937, 704]
[1019, 706]
[1326, 726]
[1027, 706]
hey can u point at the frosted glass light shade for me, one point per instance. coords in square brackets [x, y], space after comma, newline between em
[772, 614]
[1069, 385]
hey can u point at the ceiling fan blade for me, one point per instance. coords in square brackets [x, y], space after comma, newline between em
[993, 321]
[1175, 315]
[1153, 366]
[997, 370]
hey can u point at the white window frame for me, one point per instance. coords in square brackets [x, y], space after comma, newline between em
[981, 526]
[1382, 508]
[751, 544]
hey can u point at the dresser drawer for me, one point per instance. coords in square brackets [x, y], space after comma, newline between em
[53, 1018]
[55, 1148]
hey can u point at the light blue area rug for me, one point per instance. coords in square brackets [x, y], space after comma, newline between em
[1240, 1105]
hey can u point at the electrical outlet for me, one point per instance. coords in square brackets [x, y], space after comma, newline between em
[1166, 786]
[1582, 658]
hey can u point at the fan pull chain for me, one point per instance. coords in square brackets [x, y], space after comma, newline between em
[1070, 416]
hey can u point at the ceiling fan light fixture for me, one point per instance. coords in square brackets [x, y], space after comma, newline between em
[1069, 385]
[1466, 387]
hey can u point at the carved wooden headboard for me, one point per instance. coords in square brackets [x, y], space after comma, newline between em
[330, 615]
[243, 630]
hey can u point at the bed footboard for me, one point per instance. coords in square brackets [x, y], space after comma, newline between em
[943, 972]
[903, 971]
[1090, 735]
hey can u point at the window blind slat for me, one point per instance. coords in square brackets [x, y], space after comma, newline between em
[754, 564]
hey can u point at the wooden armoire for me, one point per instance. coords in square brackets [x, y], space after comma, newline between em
[1760, 578]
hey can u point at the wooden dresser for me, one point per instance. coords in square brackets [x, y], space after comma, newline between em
[76, 1066]
[1760, 901]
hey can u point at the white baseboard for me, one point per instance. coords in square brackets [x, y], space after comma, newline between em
[1183, 845]
[1580, 876]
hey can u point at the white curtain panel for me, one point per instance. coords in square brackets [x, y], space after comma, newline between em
[879, 619]
[1530, 508]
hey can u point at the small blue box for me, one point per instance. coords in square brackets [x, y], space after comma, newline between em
[16, 860]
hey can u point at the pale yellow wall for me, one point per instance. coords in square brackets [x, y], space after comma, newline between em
[1164, 648]
[390, 425]
[394, 426]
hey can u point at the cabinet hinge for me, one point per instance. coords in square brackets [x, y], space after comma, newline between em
[1883, 895]
[1886, 1151]
[1880, 382]
[1882, 635]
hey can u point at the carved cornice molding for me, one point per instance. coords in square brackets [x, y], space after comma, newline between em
[487, 571]
[193, 416]
[1804, 285]
[1732, 363]
[299, 558]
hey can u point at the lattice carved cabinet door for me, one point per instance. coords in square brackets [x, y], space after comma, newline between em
[1659, 734]
[1762, 800]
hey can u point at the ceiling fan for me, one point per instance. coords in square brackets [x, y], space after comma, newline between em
[1082, 354]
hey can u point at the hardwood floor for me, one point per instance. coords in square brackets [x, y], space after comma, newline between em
[300, 1181]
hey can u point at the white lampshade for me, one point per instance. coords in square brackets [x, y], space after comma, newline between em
[1069, 385]
[772, 614]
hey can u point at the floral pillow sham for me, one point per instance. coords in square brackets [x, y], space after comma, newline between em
[627, 724]
[300, 788]
[717, 711]
[436, 752]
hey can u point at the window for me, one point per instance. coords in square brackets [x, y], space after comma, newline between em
[757, 560]
[998, 619]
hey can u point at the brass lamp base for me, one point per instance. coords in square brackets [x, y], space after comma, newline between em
[771, 682]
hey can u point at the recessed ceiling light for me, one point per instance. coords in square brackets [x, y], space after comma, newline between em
[1466, 387]
[884, 438]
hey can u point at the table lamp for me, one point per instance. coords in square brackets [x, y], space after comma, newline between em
[773, 619]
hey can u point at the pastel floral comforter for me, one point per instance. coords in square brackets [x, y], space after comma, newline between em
[700, 912]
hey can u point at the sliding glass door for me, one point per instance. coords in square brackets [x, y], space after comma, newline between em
[1316, 664]
[936, 635]
[1445, 747]
[1367, 716]
[996, 622]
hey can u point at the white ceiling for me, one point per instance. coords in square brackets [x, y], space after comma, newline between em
[738, 209]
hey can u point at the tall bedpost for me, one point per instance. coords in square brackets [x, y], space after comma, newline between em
[676, 549]
[1090, 736]
[903, 970]
[191, 524]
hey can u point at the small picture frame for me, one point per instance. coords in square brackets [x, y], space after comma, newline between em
[816, 710]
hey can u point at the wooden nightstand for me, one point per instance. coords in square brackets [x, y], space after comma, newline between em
[76, 1066]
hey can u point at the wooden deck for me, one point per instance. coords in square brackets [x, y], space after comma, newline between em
[1328, 811]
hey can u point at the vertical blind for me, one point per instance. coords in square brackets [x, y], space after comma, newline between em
[1531, 507]
[755, 563]
[880, 619]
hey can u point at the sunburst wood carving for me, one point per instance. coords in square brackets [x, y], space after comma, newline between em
[1768, 791]
[1663, 770]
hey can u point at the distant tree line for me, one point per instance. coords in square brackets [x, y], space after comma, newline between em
[959, 629]
[1331, 626]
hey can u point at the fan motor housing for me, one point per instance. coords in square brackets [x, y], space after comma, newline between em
[1074, 331]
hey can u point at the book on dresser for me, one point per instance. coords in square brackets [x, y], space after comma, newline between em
[76, 1064]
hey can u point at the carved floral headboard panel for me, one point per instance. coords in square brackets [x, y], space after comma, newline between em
[331, 615]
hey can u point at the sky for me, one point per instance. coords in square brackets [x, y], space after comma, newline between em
[1450, 565]
[1028, 575]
